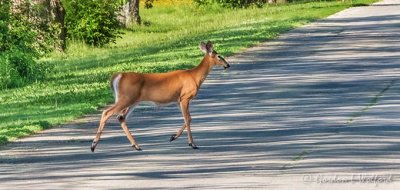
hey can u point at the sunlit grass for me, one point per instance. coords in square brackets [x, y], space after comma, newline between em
[167, 41]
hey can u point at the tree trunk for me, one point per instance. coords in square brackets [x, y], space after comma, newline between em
[277, 1]
[128, 14]
[57, 15]
[134, 12]
[48, 17]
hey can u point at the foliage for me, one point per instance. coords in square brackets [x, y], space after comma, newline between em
[19, 48]
[232, 3]
[148, 4]
[79, 84]
[93, 21]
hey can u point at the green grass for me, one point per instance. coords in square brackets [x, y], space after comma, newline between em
[79, 84]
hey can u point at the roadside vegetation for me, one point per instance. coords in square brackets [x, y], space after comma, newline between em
[166, 40]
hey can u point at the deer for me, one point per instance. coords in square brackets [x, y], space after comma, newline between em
[179, 86]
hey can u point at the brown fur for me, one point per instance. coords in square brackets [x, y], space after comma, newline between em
[177, 86]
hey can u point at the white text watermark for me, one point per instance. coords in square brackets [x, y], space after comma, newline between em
[374, 179]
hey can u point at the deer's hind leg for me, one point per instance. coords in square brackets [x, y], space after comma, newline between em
[104, 118]
[122, 119]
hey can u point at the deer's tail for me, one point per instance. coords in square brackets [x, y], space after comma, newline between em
[115, 85]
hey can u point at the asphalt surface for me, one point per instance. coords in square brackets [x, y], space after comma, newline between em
[317, 108]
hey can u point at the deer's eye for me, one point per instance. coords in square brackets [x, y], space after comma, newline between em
[220, 57]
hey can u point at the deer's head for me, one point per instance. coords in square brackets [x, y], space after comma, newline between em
[213, 57]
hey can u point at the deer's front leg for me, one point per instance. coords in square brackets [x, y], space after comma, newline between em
[178, 134]
[186, 116]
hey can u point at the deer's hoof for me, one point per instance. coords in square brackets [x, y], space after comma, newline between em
[94, 144]
[193, 146]
[137, 147]
[173, 137]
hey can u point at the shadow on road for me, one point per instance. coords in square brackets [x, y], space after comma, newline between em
[309, 102]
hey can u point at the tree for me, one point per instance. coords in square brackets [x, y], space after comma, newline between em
[92, 21]
[21, 45]
[277, 1]
[128, 14]
[134, 12]
[48, 18]
[57, 15]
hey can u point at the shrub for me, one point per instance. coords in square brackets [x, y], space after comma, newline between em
[233, 3]
[93, 21]
[9, 77]
[19, 48]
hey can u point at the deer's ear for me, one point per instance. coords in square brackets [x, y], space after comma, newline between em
[209, 47]
[203, 47]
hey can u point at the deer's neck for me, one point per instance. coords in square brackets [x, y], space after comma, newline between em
[201, 71]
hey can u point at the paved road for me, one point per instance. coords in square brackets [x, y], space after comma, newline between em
[317, 109]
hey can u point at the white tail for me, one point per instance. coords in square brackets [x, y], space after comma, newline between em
[115, 86]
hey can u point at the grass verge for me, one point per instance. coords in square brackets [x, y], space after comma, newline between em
[167, 41]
